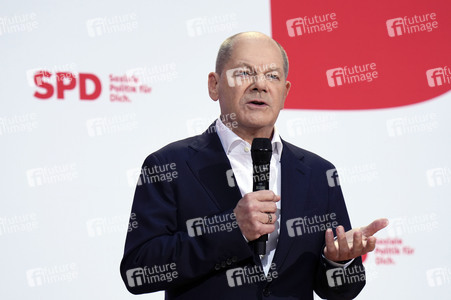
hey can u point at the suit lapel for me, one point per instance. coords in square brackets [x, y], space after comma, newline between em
[211, 167]
[295, 181]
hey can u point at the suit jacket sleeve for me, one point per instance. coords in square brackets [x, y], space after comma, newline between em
[350, 280]
[161, 239]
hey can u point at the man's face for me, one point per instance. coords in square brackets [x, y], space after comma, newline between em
[252, 84]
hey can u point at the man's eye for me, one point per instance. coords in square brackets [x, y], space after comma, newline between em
[243, 73]
[272, 76]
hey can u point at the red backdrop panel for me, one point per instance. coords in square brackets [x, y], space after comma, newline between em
[399, 40]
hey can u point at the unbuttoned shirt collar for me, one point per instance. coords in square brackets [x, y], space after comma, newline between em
[235, 145]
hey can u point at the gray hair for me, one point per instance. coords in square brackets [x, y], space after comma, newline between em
[226, 48]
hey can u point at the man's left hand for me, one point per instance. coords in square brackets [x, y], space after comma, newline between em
[352, 243]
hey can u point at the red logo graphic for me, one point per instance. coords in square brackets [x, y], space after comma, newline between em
[334, 67]
[364, 257]
[66, 81]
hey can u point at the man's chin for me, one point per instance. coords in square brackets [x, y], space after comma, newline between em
[249, 125]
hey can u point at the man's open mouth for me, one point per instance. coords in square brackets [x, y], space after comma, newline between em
[256, 102]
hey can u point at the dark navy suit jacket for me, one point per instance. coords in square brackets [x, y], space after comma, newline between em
[159, 243]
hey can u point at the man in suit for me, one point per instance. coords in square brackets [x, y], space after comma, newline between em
[196, 218]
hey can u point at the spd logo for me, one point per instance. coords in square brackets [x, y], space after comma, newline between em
[49, 84]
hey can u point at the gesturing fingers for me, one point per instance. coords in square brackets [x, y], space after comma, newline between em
[331, 250]
[374, 227]
[357, 244]
[370, 245]
[343, 247]
[347, 245]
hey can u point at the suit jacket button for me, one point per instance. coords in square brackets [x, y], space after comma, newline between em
[266, 292]
[217, 267]
[223, 264]
[234, 259]
[229, 261]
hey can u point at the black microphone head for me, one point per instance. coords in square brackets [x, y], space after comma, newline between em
[261, 151]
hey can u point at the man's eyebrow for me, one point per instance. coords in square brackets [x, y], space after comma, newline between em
[266, 68]
[243, 64]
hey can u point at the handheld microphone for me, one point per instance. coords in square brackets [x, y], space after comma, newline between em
[261, 152]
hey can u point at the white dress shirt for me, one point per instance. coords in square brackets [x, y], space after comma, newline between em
[238, 152]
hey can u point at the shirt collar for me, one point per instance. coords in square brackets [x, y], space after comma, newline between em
[230, 140]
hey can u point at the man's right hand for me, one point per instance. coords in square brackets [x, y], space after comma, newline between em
[252, 213]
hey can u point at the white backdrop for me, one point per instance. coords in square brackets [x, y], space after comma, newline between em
[69, 166]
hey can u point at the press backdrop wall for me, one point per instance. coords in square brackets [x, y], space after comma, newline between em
[71, 149]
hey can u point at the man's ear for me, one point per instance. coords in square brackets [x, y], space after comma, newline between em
[213, 86]
[287, 90]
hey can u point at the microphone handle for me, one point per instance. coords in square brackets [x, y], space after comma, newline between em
[260, 243]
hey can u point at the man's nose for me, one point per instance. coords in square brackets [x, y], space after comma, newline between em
[260, 83]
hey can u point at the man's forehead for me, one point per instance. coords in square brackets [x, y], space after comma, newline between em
[252, 38]
[251, 51]
[266, 45]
